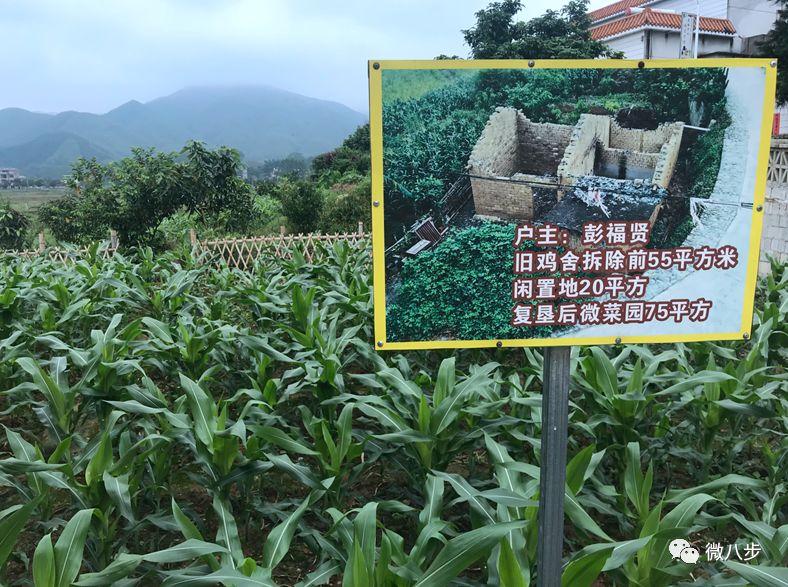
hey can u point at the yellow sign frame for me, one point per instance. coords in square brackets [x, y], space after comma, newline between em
[376, 68]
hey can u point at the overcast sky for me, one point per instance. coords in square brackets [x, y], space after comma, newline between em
[93, 55]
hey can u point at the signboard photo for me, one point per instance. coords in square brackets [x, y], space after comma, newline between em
[539, 203]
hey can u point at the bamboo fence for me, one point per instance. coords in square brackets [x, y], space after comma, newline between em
[244, 252]
[241, 253]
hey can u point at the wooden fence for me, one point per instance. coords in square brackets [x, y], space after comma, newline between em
[235, 252]
[243, 252]
[65, 254]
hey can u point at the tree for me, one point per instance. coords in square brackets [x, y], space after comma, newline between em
[560, 34]
[13, 227]
[776, 45]
[134, 195]
[302, 203]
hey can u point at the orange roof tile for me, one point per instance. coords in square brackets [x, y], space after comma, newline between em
[614, 8]
[663, 20]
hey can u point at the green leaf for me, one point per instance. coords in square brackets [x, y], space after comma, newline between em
[278, 542]
[433, 503]
[203, 410]
[12, 520]
[464, 550]
[576, 469]
[446, 413]
[118, 569]
[444, 385]
[227, 531]
[694, 380]
[225, 576]
[578, 516]
[186, 526]
[732, 480]
[509, 572]
[159, 329]
[70, 546]
[321, 575]
[584, 570]
[100, 461]
[760, 576]
[746, 409]
[282, 440]
[604, 372]
[118, 490]
[187, 550]
[365, 529]
[44, 570]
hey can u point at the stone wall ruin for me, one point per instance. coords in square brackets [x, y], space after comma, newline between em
[513, 152]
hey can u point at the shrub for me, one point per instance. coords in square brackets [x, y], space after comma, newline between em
[302, 203]
[343, 212]
[13, 227]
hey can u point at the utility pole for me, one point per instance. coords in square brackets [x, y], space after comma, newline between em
[697, 29]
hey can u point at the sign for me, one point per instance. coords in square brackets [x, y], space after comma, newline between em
[547, 203]
[687, 33]
[776, 124]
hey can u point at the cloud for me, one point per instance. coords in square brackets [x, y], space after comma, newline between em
[92, 55]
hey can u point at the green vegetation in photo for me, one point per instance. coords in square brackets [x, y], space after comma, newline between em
[706, 158]
[427, 140]
[461, 289]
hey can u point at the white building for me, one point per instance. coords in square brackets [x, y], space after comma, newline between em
[651, 29]
[727, 27]
[9, 175]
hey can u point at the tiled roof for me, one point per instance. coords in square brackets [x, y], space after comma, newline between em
[663, 20]
[614, 8]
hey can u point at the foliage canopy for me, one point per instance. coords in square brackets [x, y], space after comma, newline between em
[776, 45]
[557, 34]
[134, 195]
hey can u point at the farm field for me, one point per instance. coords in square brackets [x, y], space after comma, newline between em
[27, 200]
[170, 423]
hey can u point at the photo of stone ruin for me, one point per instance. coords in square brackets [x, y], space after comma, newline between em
[514, 157]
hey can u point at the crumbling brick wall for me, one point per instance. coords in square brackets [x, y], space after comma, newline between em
[610, 156]
[645, 141]
[542, 145]
[512, 149]
[496, 151]
[502, 197]
[580, 154]
[668, 155]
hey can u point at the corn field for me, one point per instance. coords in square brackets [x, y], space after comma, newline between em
[166, 422]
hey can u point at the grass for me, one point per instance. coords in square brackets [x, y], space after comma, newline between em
[28, 200]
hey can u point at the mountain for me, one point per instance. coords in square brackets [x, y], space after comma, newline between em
[261, 122]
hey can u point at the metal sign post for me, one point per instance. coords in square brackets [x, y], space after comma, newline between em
[555, 424]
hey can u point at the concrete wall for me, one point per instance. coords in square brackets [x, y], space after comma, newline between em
[774, 242]
[579, 156]
[632, 45]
